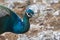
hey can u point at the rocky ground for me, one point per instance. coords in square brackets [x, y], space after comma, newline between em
[46, 24]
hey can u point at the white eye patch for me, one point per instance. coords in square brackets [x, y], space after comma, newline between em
[28, 14]
[3, 12]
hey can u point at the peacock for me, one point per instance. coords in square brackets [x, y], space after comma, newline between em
[10, 22]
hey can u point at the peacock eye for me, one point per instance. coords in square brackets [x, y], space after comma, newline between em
[29, 14]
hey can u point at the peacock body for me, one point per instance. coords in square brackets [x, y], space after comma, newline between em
[10, 22]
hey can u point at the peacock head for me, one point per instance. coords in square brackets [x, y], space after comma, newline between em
[29, 13]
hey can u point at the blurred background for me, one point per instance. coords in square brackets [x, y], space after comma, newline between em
[45, 24]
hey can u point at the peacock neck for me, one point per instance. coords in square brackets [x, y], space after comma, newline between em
[26, 22]
[26, 19]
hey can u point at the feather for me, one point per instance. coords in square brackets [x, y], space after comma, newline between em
[10, 22]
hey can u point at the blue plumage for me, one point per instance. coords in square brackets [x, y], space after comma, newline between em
[12, 23]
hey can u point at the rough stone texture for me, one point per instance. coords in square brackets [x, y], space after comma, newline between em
[45, 26]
